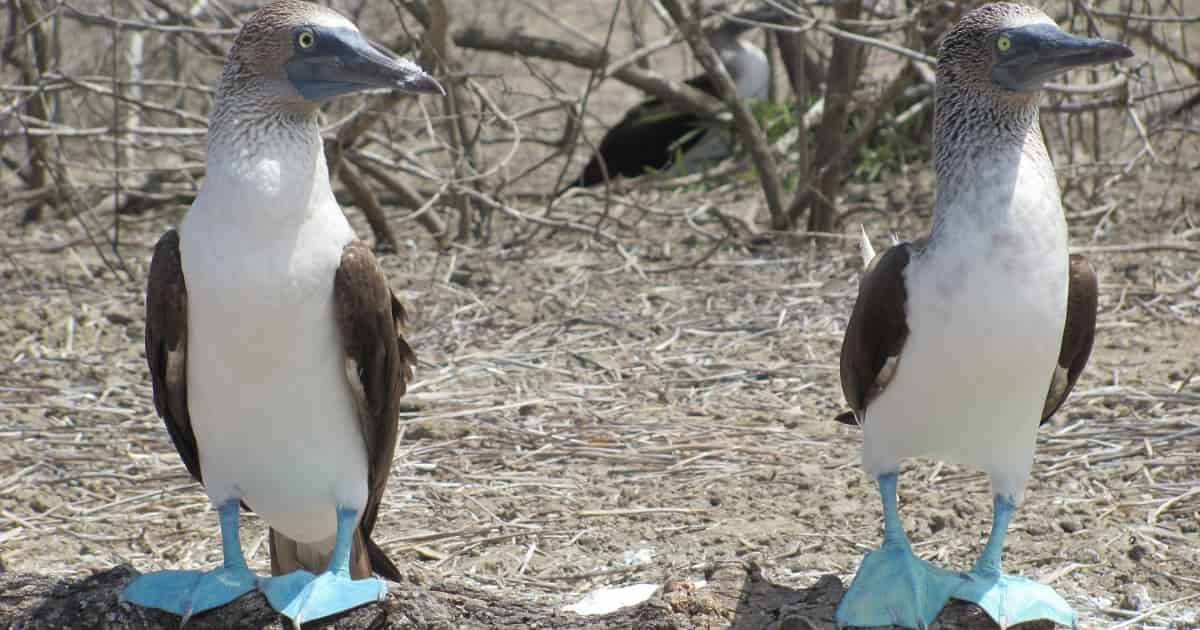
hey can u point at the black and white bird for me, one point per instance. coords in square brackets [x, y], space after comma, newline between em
[272, 337]
[653, 134]
[961, 343]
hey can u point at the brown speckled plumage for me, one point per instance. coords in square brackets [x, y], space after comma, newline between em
[253, 82]
[265, 42]
[975, 119]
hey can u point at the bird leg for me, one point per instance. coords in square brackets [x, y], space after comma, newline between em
[1009, 600]
[302, 596]
[186, 593]
[893, 586]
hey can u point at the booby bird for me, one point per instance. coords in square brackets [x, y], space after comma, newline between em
[961, 343]
[652, 134]
[272, 337]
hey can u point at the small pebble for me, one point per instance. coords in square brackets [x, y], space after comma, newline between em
[1136, 597]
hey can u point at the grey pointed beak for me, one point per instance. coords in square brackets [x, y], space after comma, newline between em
[1041, 51]
[342, 61]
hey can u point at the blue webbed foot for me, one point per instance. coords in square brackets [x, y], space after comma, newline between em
[186, 593]
[302, 596]
[894, 587]
[1010, 600]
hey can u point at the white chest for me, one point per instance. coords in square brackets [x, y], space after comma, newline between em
[272, 411]
[986, 308]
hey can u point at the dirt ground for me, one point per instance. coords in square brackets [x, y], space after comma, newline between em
[589, 414]
[583, 417]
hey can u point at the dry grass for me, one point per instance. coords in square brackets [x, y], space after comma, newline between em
[589, 414]
[633, 385]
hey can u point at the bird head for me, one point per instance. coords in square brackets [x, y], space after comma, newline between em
[1016, 49]
[304, 54]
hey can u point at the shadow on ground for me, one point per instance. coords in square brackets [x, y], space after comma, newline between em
[736, 596]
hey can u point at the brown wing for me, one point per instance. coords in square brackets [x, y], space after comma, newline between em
[876, 332]
[1079, 333]
[379, 364]
[166, 346]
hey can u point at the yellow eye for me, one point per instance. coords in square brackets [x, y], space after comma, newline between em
[306, 39]
[1003, 43]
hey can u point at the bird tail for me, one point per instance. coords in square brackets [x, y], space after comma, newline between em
[366, 557]
[865, 248]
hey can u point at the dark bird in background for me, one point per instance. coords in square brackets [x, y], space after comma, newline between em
[652, 134]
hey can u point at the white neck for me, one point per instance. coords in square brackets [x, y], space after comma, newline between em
[992, 165]
[750, 70]
[266, 173]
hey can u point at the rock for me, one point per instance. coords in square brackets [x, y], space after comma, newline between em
[734, 595]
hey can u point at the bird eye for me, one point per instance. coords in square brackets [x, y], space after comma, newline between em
[1003, 43]
[306, 39]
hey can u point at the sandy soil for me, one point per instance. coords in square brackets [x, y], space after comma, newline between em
[584, 418]
[586, 415]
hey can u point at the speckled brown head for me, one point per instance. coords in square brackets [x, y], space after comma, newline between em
[293, 55]
[1004, 49]
[991, 68]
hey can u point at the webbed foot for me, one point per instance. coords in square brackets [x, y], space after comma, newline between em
[302, 596]
[186, 593]
[894, 587]
[1010, 600]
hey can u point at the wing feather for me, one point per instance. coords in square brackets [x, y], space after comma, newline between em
[379, 366]
[166, 347]
[876, 332]
[1079, 333]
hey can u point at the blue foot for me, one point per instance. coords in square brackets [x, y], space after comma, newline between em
[302, 596]
[186, 593]
[895, 588]
[1010, 600]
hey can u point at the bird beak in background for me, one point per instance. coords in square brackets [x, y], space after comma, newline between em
[1039, 51]
[342, 62]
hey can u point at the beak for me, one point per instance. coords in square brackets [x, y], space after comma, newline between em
[1041, 51]
[343, 62]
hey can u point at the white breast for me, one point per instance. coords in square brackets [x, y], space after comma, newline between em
[986, 307]
[751, 72]
[269, 401]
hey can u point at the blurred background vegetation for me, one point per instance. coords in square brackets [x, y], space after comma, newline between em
[105, 103]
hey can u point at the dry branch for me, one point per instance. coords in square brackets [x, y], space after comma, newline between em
[747, 126]
[37, 106]
[845, 67]
[513, 42]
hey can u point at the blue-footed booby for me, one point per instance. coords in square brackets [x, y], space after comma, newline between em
[961, 343]
[652, 134]
[273, 341]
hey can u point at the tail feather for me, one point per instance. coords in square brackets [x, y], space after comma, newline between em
[380, 563]
[865, 248]
[288, 555]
